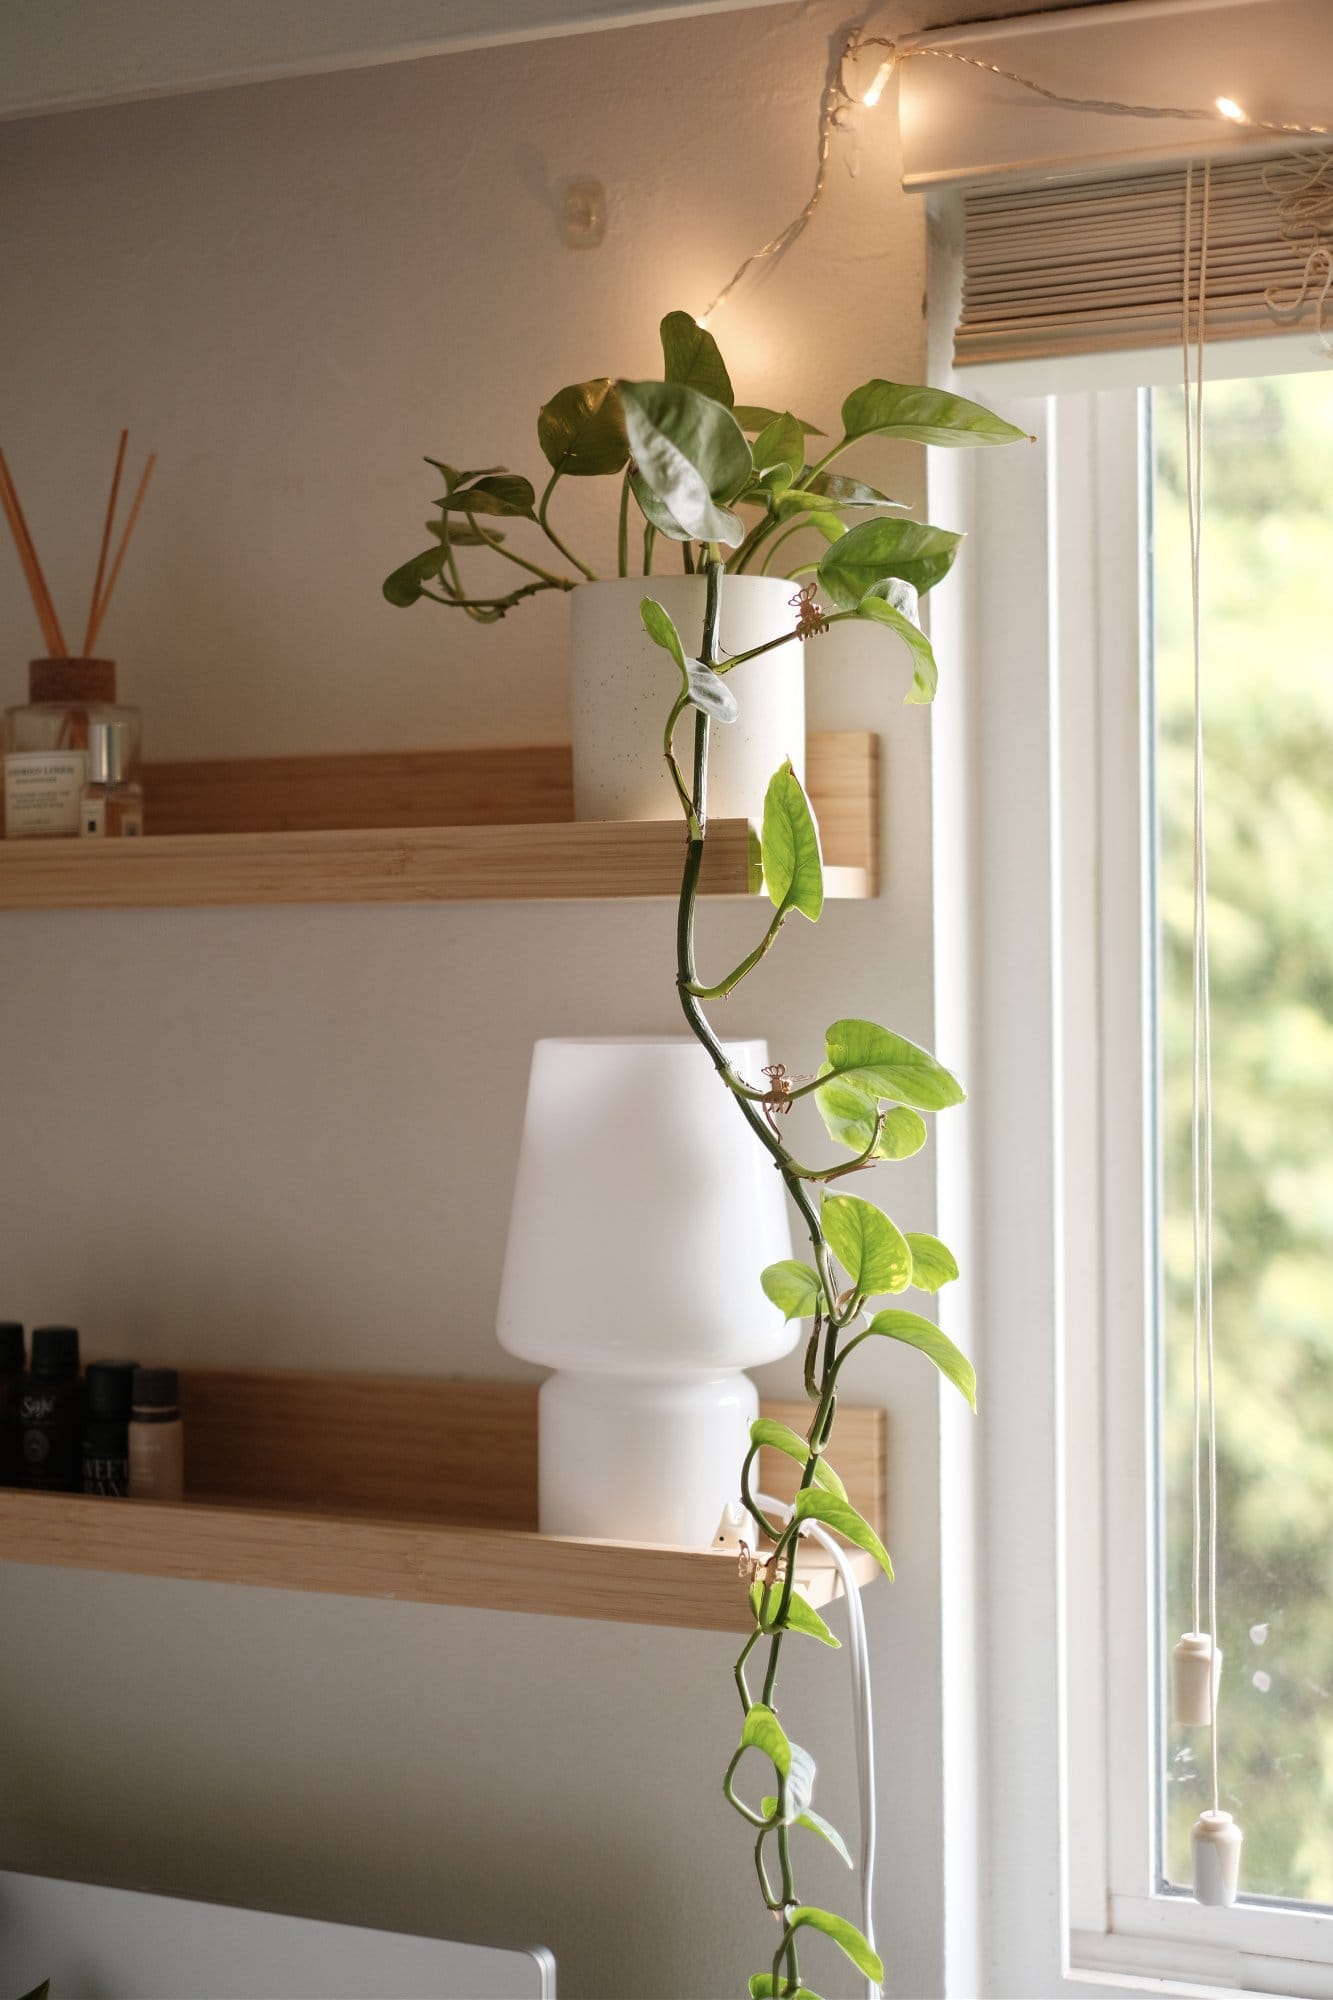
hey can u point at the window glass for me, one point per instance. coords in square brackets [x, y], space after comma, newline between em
[1268, 680]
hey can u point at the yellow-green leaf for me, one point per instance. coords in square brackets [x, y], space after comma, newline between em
[890, 1066]
[897, 1324]
[933, 1262]
[794, 1288]
[846, 1936]
[850, 1115]
[801, 1616]
[871, 1249]
[814, 1505]
[781, 1437]
[793, 864]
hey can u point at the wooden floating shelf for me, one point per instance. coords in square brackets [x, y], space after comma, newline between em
[421, 826]
[425, 1491]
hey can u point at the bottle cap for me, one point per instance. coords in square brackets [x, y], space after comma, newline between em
[55, 1350]
[106, 753]
[11, 1346]
[74, 681]
[155, 1389]
[107, 1388]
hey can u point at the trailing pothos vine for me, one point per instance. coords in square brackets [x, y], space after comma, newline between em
[682, 451]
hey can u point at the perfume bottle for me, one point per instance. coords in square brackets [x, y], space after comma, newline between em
[49, 1408]
[157, 1452]
[11, 1380]
[105, 1439]
[110, 804]
[46, 743]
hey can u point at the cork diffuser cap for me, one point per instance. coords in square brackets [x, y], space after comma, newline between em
[81, 681]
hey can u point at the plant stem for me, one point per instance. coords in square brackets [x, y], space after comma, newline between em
[511, 555]
[622, 548]
[747, 965]
[551, 534]
[771, 645]
[649, 538]
[785, 536]
[496, 603]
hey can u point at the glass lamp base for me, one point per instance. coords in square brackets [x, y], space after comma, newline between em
[642, 1458]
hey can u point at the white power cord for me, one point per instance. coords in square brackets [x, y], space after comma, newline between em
[863, 1721]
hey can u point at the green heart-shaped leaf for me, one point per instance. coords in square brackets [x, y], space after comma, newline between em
[403, 586]
[850, 1115]
[699, 684]
[780, 443]
[846, 1936]
[890, 1065]
[867, 554]
[801, 1616]
[911, 1328]
[755, 417]
[768, 1430]
[793, 864]
[925, 674]
[794, 1288]
[763, 1731]
[493, 493]
[692, 356]
[844, 492]
[933, 1262]
[691, 454]
[929, 416]
[814, 1505]
[763, 1986]
[871, 1249]
[582, 430]
[815, 1822]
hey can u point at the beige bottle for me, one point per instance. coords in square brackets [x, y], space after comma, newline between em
[157, 1443]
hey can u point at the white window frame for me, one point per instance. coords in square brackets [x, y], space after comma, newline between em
[1046, 737]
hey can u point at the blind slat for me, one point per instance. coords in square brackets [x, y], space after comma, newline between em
[1080, 266]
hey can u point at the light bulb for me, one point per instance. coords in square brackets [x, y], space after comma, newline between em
[881, 77]
[1230, 109]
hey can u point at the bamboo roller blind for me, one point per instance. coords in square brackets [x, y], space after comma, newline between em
[1094, 266]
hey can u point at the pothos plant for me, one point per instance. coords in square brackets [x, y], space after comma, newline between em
[682, 450]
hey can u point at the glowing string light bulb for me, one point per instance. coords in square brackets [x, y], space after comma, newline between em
[1230, 109]
[881, 77]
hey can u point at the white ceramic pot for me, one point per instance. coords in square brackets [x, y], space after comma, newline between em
[644, 1211]
[624, 685]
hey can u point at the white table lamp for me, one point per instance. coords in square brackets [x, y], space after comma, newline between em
[643, 1214]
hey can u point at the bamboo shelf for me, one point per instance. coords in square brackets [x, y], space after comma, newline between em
[420, 826]
[389, 1486]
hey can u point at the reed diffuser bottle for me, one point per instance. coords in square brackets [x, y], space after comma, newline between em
[71, 705]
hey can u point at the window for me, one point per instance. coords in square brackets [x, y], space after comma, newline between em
[1070, 737]
[1268, 482]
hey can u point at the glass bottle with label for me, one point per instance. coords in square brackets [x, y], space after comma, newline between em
[157, 1453]
[49, 1410]
[110, 805]
[46, 744]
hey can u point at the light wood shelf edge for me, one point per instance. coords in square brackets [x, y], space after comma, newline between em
[421, 826]
[414, 1523]
[417, 1562]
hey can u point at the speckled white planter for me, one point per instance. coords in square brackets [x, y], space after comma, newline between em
[624, 685]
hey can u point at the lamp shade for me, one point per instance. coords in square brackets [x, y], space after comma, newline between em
[643, 1214]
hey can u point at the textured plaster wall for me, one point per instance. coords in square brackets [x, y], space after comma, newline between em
[288, 1136]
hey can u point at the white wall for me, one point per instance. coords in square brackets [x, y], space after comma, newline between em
[288, 1136]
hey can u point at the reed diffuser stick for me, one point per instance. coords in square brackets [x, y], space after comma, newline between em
[32, 569]
[91, 629]
[100, 611]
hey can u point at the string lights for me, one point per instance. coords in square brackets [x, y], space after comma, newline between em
[840, 93]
